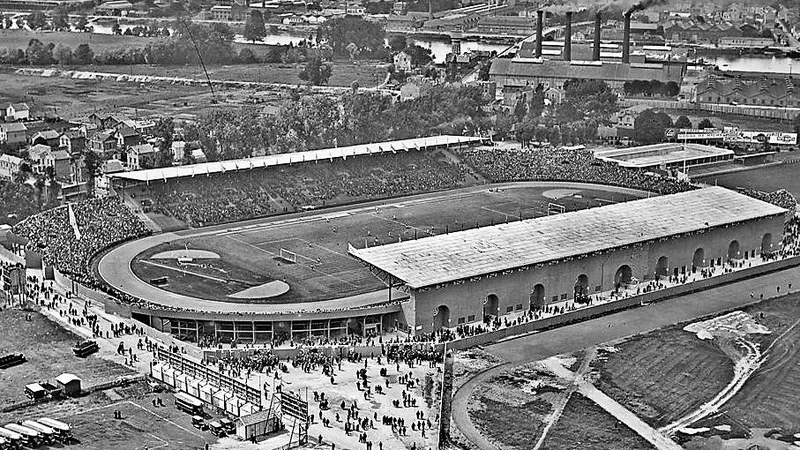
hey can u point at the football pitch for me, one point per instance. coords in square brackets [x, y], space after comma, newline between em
[309, 252]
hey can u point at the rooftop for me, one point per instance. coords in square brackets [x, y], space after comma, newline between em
[292, 158]
[658, 154]
[13, 127]
[481, 251]
[608, 71]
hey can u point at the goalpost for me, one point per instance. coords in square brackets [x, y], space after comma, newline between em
[555, 208]
[296, 258]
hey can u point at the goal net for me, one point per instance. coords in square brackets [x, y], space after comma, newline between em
[555, 208]
[288, 256]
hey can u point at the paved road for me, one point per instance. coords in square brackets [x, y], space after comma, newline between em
[575, 337]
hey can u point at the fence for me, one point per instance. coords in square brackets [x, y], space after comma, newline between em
[218, 379]
[742, 110]
[291, 353]
[606, 308]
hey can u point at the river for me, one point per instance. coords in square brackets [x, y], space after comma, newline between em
[773, 64]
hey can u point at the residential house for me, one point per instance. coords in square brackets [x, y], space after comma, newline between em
[102, 184]
[13, 134]
[60, 161]
[46, 137]
[554, 95]
[626, 118]
[9, 166]
[37, 155]
[127, 137]
[140, 156]
[103, 142]
[18, 111]
[72, 141]
[120, 8]
[402, 62]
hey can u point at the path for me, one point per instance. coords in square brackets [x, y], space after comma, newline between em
[571, 338]
[558, 409]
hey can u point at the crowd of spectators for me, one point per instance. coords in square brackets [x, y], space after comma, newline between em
[236, 196]
[781, 198]
[101, 223]
[564, 164]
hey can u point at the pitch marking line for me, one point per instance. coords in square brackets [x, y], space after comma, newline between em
[299, 264]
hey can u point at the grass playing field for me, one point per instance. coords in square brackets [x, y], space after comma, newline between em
[768, 179]
[322, 268]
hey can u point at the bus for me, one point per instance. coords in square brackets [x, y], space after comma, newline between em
[49, 435]
[188, 404]
[15, 440]
[32, 437]
[64, 431]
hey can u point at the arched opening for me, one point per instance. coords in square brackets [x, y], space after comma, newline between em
[537, 297]
[699, 258]
[491, 307]
[766, 244]
[623, 276]
[442, 318]
[582, 289]
[733, 250]
[662, 267]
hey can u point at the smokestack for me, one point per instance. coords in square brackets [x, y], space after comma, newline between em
[626, 39]
[596, 50]
[539, 25]
[568, 37]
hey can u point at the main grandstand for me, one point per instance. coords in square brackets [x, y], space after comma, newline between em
[291, 275]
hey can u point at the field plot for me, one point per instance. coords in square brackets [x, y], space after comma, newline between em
[768, 179]
[98, 42]
[322, 269]
[663, 375]
[584, 425]
[48, 348]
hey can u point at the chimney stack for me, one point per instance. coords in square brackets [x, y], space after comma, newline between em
[539, 25]
[568, 38]
[626, 39]
[597, 24]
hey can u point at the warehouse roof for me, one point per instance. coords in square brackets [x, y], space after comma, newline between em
[587, 70]
[482, 251]
[293, 158]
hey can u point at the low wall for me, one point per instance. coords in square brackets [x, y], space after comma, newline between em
[607, 308]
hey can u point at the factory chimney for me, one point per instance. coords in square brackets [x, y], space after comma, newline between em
[596, 50]
[539, 25]
[626, 39]
[568, 37]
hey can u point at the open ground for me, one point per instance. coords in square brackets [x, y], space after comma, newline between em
[322, 269]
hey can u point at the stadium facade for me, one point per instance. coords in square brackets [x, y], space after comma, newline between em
[462, 277]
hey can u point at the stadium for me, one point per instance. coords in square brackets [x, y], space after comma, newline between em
[413, 236]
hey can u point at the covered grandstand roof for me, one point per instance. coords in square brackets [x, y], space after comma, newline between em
[481, 251]
[655, 155]
[292, 158]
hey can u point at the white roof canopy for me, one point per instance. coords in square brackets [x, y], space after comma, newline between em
[292, 158]
[481, 251]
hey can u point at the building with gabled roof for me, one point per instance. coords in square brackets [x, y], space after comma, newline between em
[14, 133]
[18, 111]
[537, 262]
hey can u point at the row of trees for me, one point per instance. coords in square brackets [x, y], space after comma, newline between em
[312, 122]
[651, 88]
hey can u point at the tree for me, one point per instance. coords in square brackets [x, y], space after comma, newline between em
[397, 42]
[420, 56]
[164, 131]
[683, 122]
[37, 20]
[246, 56]
[63, 55]
[650, 125]
[115, 29]
[366, 38]
[39, 54]
[60, 19]
[254, 28]
[81, 24]
[796, 123]
[316, 72]
[83, 55]
[705, 123]
[92, 163]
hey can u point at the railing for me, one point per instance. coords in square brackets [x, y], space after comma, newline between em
[218, 379]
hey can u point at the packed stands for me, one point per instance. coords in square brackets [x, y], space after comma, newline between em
[101, 224]
[236, 196]
[564, 164]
